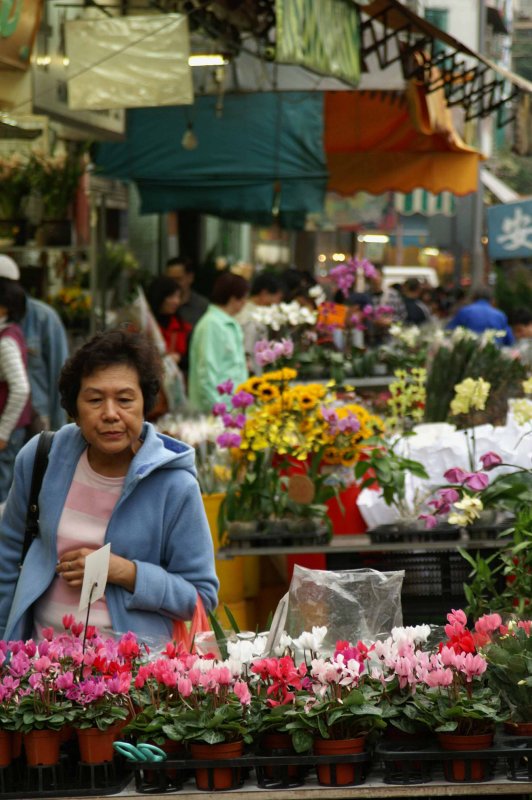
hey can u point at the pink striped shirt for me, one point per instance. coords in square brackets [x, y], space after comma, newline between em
[86, 513]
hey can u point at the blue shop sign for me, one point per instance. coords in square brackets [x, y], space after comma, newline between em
[510, 230]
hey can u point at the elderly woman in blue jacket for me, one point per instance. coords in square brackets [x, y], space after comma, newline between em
[110, 478]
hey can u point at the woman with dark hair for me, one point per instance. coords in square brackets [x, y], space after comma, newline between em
[164, 296]
[217, 347]
[110, 478]
[15, 407]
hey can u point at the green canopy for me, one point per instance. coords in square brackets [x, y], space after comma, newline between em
[259, 159]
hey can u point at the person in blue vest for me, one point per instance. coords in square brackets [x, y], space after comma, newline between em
[479, 315]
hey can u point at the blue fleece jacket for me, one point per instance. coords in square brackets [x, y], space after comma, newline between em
[159, 522]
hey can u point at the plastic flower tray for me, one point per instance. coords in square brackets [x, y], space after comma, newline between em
[68, 778]
[391, 534]
[278, 538]
[406, 766]
[272, 772]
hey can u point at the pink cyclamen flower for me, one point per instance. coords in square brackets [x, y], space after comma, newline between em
[477, 481]
[68, 620]
[490, 460]
[488, 623]
[241, 690]
[430, 520]
[218, 409]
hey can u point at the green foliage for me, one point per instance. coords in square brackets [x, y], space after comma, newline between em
[460, 710]
[212, 723]
[100, 715]
[502, 581]
[515, 292]
[510, 672]
[469, 356]
[260, 493]
[389, 470]
[148, 724]
[355, 714]
[32, 713]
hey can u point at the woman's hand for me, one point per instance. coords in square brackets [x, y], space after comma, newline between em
[3, 444]
[71, 568]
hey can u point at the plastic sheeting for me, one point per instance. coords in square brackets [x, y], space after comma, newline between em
[353, 604]
[128, 62]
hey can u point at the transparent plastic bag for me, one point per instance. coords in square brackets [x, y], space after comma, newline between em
[353, 604]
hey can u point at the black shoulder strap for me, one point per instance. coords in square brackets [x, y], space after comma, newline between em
[39, 468]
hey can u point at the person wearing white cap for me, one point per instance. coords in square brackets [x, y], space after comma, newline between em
[47, 345]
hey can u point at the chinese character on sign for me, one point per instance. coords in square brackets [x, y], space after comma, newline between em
[517, 231]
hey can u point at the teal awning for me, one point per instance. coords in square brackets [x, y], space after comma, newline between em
[261, 152]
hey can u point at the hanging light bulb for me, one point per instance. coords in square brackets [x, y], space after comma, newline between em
[189, 140]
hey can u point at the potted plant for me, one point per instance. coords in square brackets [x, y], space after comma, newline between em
[399, 663]
[456, 700]
[100, 692]
[212, 718]
[274, 684]
[8, 702]
[338, 709]
[43, 709]
[508, 652]
[292, 446]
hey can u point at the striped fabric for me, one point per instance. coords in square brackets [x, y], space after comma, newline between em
[13, 371]
[88, 508]
[421, 202]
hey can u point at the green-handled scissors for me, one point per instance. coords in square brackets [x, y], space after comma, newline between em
[140, 752]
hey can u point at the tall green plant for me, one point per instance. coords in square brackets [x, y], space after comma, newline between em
[465, 355]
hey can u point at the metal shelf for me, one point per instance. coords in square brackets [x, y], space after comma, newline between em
[362, 544]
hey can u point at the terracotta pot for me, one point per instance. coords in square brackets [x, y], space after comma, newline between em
[96, 746]
[16, 744]
[280, 744]
[217, 778]
[42, 747]
[339, 774]
[518, 728]
[6, 748]
[469, 769]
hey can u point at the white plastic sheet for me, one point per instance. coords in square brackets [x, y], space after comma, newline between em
[353, 604]
[128, 62]
[440, 447]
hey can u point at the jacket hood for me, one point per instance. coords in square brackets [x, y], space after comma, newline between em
[158, 451]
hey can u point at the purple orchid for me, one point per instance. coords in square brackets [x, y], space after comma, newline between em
[490, 460]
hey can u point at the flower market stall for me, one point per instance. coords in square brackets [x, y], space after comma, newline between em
[281, 713]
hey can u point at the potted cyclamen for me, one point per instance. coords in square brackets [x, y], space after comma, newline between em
[399, 663]
[213, 719]
[43, 709]
[274, 684]
[99, 690]
[456, 701]
[508, 651]
[337, 711]
[8, 702]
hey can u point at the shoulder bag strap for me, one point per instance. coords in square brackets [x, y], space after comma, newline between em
[39, 468]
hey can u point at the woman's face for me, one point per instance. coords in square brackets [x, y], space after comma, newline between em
[171, 303]
[111, 412]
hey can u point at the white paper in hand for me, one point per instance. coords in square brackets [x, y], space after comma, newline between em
[96, 570]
